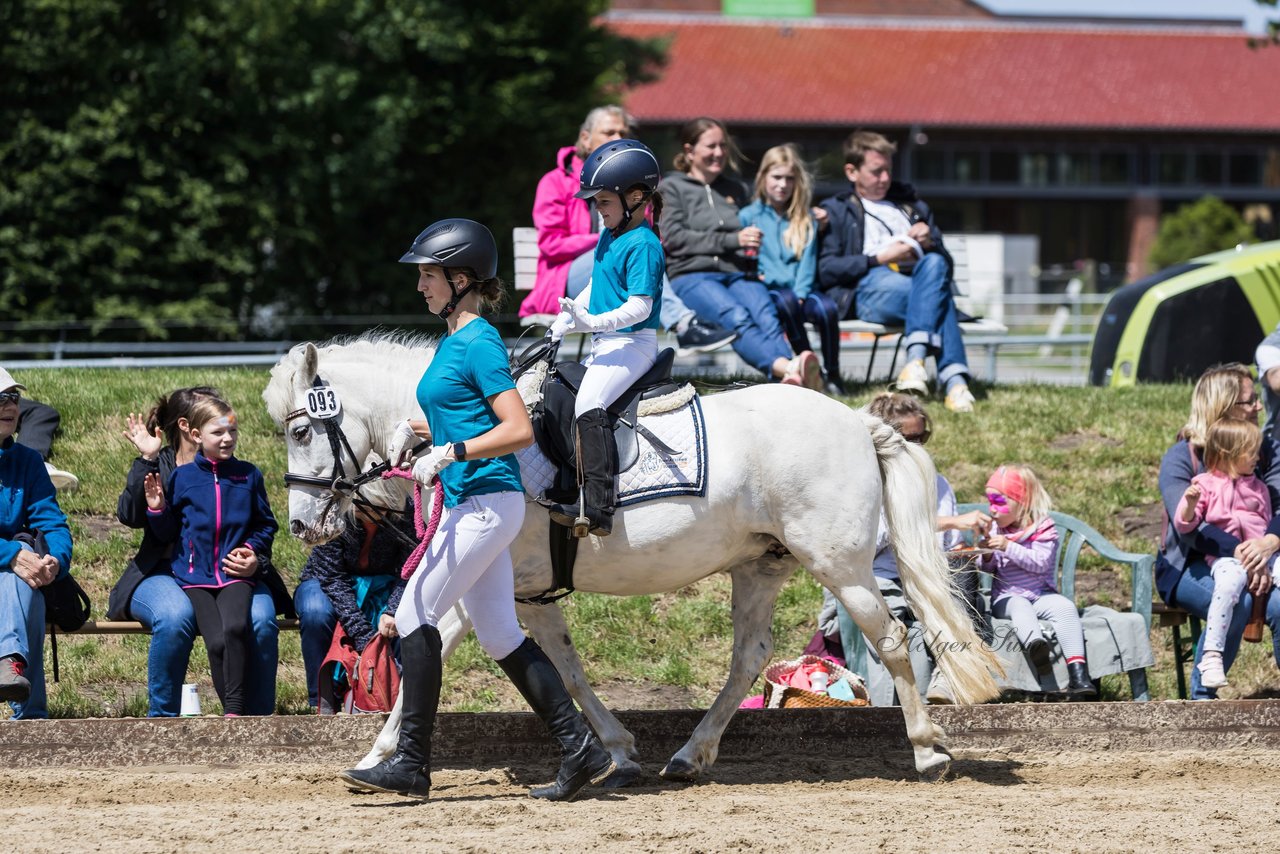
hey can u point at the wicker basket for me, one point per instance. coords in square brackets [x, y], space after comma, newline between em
[780, 696]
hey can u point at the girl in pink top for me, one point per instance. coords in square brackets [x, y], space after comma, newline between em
[1230, 496]
[1024, 558]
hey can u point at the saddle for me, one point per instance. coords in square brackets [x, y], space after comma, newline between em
[553, 422]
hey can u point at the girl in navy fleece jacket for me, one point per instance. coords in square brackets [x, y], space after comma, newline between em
[220, 520]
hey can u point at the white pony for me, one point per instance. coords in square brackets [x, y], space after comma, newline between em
[795, 479]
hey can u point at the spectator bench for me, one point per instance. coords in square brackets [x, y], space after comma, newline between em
[985, 332]
[1115, 641]
[133, 627]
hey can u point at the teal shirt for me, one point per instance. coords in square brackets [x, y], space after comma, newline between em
[469, 367]
[779, 266]
[628, 266]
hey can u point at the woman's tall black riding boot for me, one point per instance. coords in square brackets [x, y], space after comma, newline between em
[599, 464]
[585, 760]
[408, 771]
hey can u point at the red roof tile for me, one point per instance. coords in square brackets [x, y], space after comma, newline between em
[998, 76]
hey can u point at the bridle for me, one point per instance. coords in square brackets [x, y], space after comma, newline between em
[338, 484]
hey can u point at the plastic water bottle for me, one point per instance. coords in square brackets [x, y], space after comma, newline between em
[818, 681]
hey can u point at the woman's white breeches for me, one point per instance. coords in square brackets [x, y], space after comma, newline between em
[468, 560]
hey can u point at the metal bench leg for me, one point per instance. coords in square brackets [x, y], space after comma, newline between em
[894, 363]
[875, 345]
[1178, 664]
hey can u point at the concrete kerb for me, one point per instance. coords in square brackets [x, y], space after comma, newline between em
[482, 740]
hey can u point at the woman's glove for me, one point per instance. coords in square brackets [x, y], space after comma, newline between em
[426, 468]
[401, 443]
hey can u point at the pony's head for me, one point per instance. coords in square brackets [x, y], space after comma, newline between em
[337, 405]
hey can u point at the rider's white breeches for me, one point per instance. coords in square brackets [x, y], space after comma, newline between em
[469, 560]
[617, 360]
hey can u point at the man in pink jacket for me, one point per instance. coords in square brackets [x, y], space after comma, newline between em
[568, 232]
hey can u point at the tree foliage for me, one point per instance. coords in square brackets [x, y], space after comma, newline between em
[1206, 225]
[206, 160]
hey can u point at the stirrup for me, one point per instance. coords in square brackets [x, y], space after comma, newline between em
[581, 524]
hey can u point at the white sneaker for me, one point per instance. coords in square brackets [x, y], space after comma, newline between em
[913, 378]
[960, 399]
[1211, 673]
[939, 693]
[63, 481]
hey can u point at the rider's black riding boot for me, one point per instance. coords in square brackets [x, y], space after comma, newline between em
[585, 760]
[599, 464]
[408, 771]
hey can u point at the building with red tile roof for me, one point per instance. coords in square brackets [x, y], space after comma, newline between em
[1079, 132]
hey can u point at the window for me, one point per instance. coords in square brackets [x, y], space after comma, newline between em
[1075, 169]
[1033, 170]
[931, 165]
[1244, 170]
[1114, 167]
[967, 167]
[1004, 166]
[1208, 168]
[1171, 167]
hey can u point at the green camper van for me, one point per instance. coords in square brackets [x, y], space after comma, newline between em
[1172, 325]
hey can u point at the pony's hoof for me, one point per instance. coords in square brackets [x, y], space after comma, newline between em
[623, 775]
[679, 771]
[935, 770]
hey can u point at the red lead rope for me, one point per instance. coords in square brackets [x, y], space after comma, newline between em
[426, 531]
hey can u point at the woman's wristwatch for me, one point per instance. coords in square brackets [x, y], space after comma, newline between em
[458, 450]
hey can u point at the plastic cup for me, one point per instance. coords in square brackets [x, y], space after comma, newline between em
[190, 701]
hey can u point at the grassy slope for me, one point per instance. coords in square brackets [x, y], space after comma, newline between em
[1097, 451]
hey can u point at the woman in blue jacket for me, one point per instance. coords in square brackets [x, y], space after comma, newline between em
[788, 263]
[219, 518]
[28, 506]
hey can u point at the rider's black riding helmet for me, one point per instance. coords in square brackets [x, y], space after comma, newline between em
[456, 243]
[618, 166]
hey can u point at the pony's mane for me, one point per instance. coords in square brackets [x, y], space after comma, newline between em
[377, 346]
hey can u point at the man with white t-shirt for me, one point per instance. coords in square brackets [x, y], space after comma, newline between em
[1268, 358]
[882, 260]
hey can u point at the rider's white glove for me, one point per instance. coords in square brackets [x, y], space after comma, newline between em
[560, 326]
[428, 466]
[401, 443]
[634, 310]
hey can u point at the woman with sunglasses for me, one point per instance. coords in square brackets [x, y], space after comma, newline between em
[1183, 576]
[907, 415]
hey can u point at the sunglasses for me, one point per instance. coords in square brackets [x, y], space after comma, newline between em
[997, 499]
[7, 397]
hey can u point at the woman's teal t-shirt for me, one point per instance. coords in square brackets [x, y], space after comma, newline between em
[628, 266]
[469, 367]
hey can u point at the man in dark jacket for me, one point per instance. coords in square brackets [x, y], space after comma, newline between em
[882, 260]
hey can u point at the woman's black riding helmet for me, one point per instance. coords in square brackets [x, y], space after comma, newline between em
[452, 244]
[618, 166]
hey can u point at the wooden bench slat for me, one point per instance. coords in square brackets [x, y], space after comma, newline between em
[133, 627]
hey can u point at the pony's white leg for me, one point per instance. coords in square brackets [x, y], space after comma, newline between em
[453, 628]
[756, 585]
[871, 614]
[547, 625]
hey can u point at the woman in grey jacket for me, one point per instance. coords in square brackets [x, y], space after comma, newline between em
[711, 258]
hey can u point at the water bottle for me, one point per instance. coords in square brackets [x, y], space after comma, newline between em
[818, 681]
